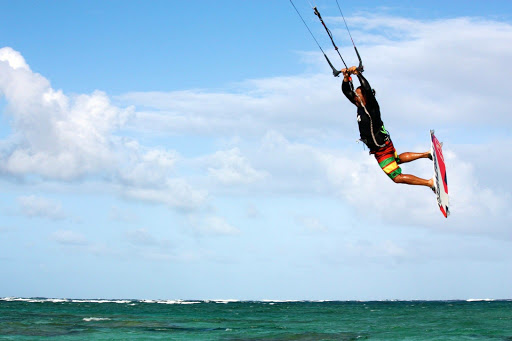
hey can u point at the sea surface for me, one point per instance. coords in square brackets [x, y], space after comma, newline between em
[67, 319]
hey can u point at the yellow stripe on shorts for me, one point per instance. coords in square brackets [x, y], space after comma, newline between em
[391, 167]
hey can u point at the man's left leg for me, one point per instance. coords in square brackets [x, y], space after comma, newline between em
[408, 157]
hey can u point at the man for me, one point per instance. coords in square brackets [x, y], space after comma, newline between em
[375, 136]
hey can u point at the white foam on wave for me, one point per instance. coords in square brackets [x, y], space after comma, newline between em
[60, 300]
[150, 301]
[89, 319]
[175, 302]
[225, 301]
[8, 299]
[278, 301]
[21, 299]
[480, 300]
[101, 301]
[180, 301]
[294, 301]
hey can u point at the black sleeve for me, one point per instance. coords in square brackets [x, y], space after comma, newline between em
[348, 92]
[367, 91]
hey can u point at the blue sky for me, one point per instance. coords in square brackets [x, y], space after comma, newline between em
[202, 150]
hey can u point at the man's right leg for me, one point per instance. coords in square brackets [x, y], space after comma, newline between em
[413, 180]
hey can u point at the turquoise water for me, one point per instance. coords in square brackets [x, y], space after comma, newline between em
[38, 319]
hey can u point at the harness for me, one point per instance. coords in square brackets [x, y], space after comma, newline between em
[371, 121]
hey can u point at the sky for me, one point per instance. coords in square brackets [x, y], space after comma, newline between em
[203, 150]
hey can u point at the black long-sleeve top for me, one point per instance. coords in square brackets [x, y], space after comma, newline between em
[369, 123]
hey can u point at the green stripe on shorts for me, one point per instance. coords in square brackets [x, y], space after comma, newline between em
[386, 162]
[395, 173]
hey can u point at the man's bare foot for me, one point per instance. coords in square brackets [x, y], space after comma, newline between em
[431, 184]
[431, 151]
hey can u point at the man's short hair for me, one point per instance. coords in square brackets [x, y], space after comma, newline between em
[373, 90]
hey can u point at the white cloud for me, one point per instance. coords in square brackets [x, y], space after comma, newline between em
[55, 136]
[297, 105]
[13, 58]
[34, 206]
[427, 79]
[439, 61]
[146, 167]
[67, 138]
[355, 178]
[231, 168]
[476, 206]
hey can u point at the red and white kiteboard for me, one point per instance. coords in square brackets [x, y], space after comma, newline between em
[440, 180]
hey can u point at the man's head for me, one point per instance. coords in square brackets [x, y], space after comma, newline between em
[360, 95]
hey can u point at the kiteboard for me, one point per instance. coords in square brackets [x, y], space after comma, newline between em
[440, 179]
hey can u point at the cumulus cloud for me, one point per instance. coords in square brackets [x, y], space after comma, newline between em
[143, 166]
[66, 138]
[55, 136]
[13, 58]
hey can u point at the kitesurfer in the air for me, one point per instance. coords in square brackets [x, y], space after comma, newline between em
[373, 133]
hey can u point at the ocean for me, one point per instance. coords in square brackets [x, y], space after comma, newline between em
[68, 319]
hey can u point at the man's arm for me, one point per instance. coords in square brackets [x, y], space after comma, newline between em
[346, 88]
[366, 88]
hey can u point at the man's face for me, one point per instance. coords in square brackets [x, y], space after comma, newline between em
[359, 94]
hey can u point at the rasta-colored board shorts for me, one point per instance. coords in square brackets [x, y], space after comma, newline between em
[388, 160]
